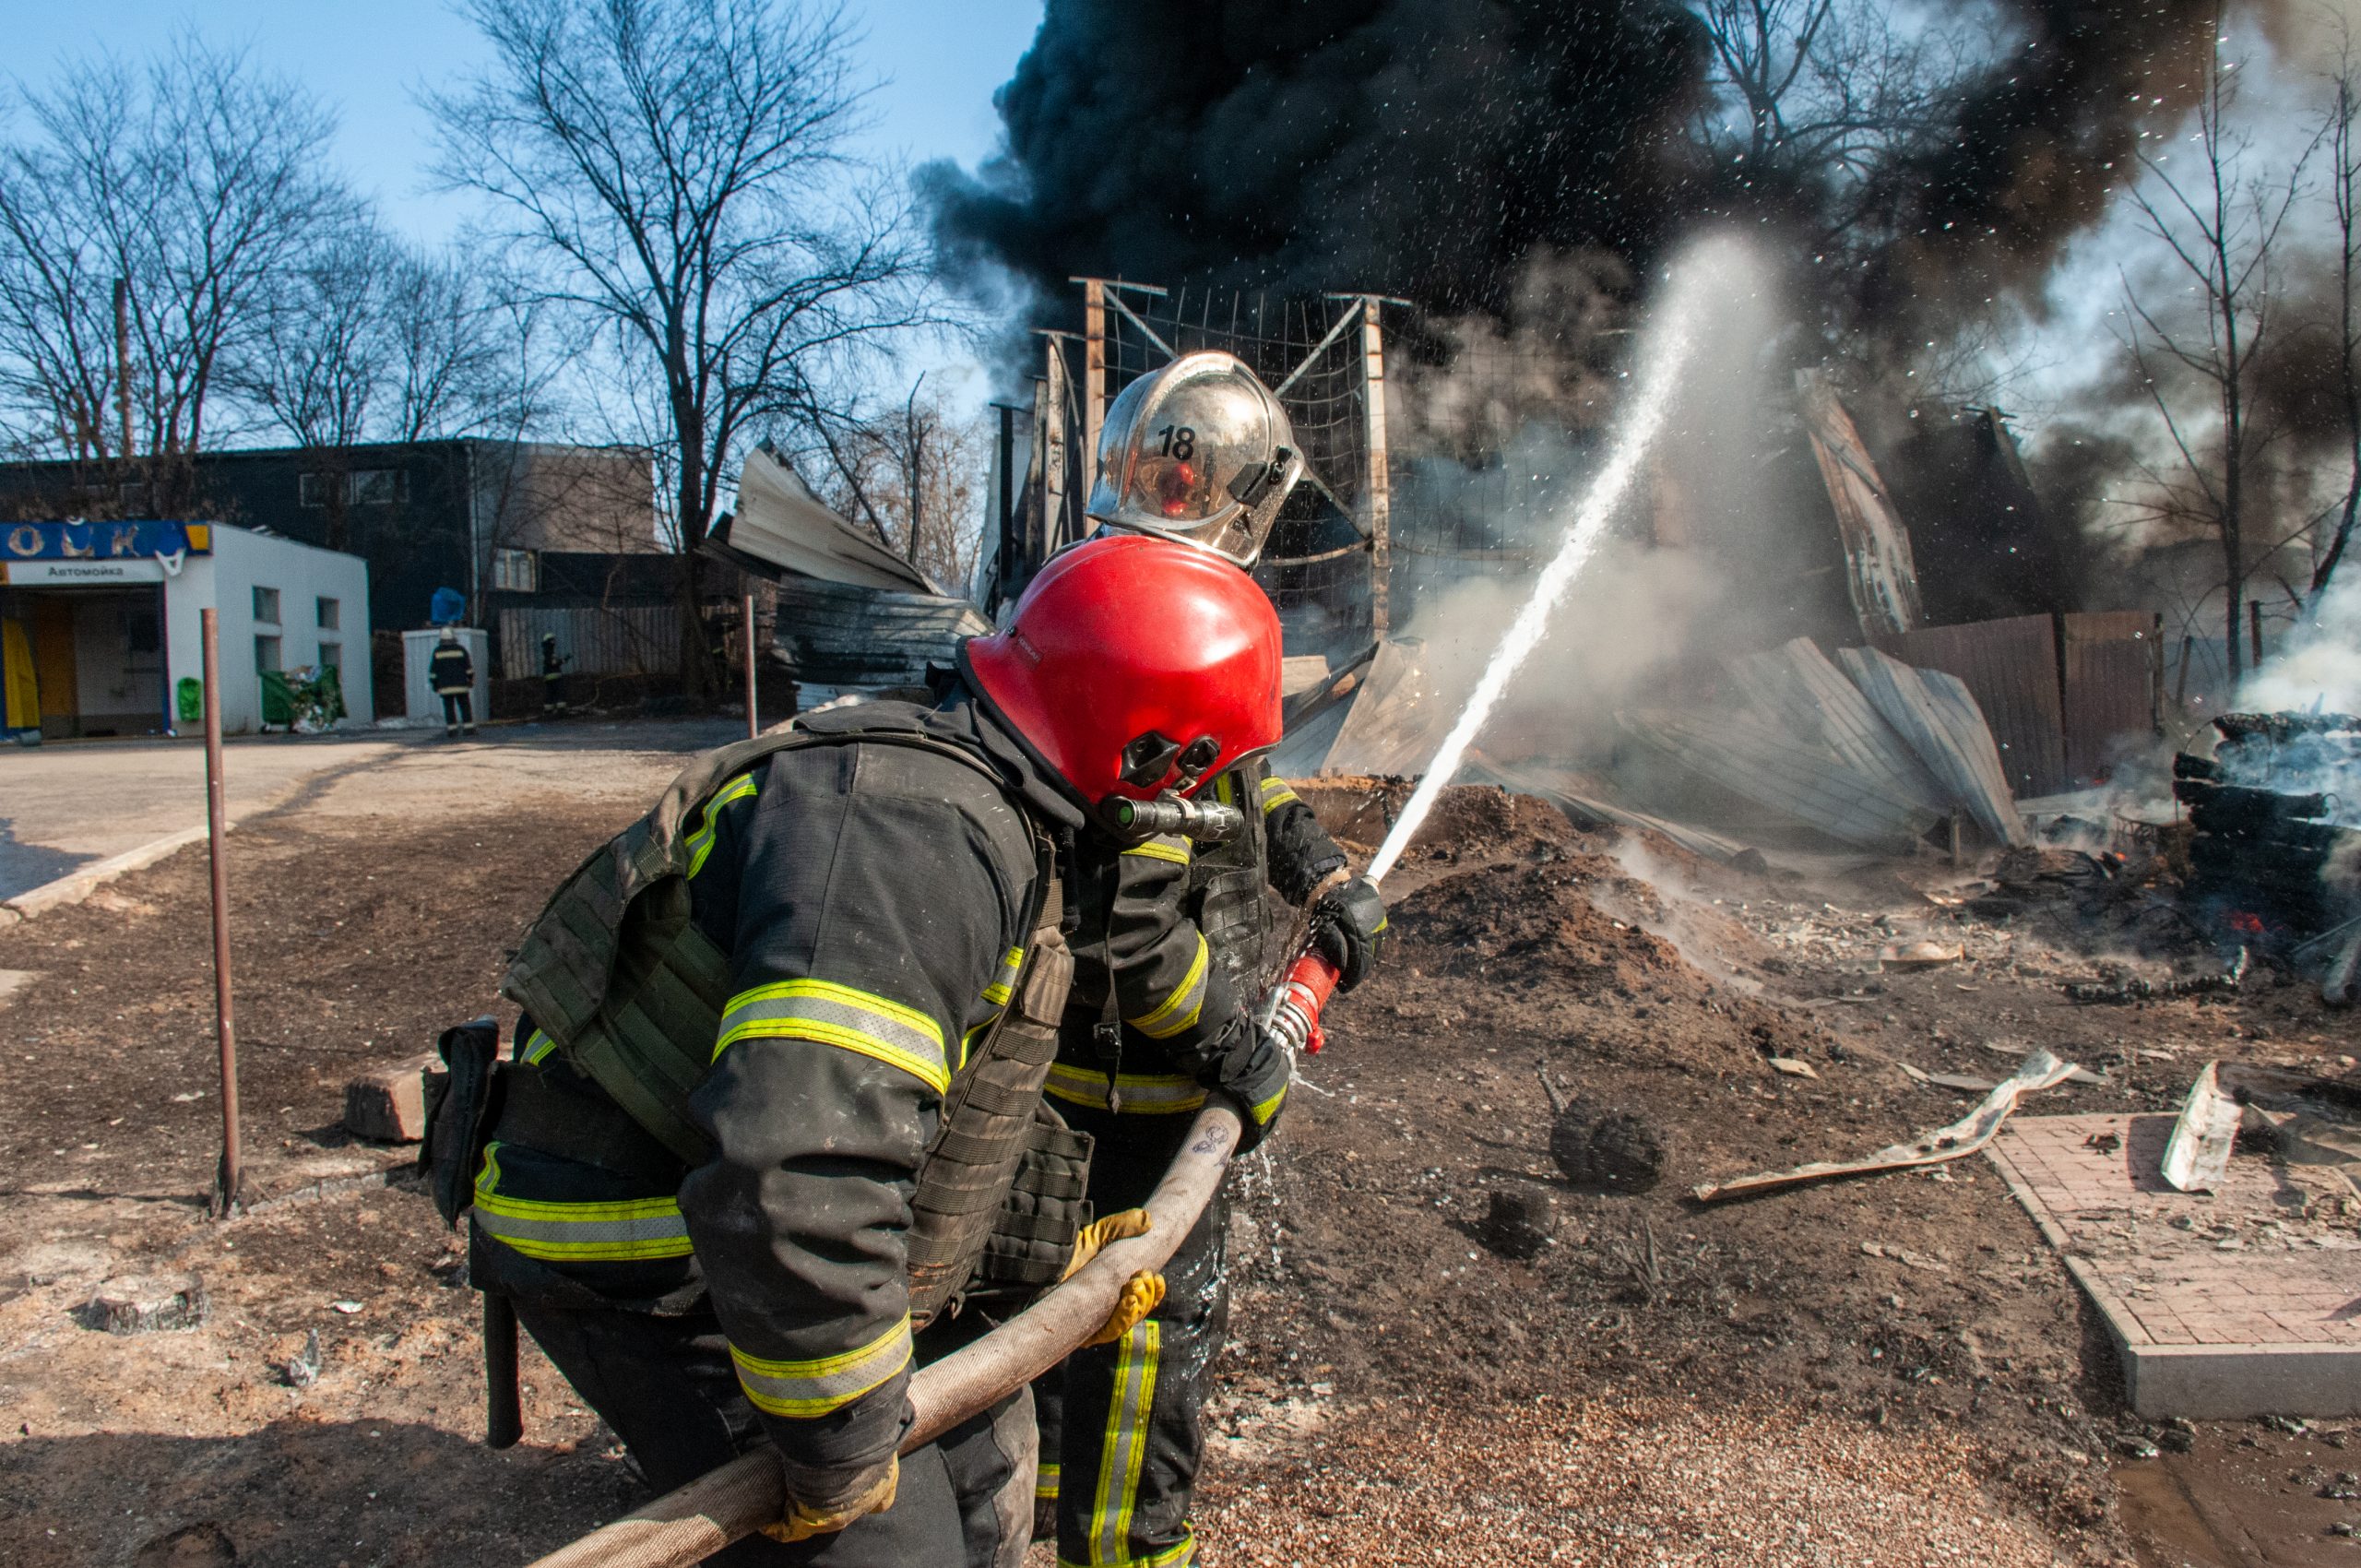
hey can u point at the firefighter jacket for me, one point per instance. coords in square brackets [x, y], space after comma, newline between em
[1181, 926]
[1284, 847]
[450, 670]
[872, 901]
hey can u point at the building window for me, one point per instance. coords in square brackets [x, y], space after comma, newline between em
[331, 612]
[267, 607]
[377, 487]
[266, 656]
[312, 490]
[516, 571]
[332, 656]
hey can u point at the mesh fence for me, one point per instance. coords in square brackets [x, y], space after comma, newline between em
[1316, 567]
[1466, 473]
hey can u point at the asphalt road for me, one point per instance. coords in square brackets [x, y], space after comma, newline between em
[62, 807]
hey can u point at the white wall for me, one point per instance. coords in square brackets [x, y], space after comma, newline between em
[225, 581]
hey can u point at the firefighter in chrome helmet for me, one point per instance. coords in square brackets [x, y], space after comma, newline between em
[1198, 451]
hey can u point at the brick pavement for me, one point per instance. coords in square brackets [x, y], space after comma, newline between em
[2244, 1302]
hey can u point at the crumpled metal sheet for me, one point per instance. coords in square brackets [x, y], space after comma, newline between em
[2198, 1157]
[2038, 1071]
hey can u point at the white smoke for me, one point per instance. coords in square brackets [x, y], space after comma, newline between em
[2319, 666]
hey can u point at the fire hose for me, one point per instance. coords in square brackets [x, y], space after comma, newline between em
[692, 1522]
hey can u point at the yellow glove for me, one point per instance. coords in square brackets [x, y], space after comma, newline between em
[804, 1521]
[1142, 1294]
[1120, 1226]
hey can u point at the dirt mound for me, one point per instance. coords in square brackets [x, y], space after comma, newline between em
[1469, 820]
[1534, 950]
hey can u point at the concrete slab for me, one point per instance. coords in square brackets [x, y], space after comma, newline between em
[2246, 1302]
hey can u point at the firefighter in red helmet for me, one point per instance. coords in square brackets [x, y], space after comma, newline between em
[776, 1108]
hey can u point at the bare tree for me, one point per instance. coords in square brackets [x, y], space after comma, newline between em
[915, 475]
[198, 182]
[2220, 226]
[367, 341]
[678, 169]
[2344, 196]
[1826, 90]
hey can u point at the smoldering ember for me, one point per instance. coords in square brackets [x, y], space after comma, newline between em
[1130, 784]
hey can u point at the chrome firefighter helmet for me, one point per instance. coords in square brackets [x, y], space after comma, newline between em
[1198, 451]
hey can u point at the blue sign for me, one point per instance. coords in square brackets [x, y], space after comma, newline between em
[104, 542]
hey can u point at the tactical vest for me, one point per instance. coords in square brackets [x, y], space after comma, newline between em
[617, 975]
[1225, 884]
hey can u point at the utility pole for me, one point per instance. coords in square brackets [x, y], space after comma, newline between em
[225, 1032]
[123, 361]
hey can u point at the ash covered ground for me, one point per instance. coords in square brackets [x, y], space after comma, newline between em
[1894, 1369]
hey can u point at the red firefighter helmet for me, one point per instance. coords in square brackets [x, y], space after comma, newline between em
[1134, 665]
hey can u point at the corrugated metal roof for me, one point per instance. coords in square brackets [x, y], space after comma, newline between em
[837, 634]
[1789, 773]
[1936, 714]
[1798, 687]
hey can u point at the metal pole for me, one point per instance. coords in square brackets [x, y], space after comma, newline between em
[2254, 626]
[753, 720]
[225, 1030]
[2180, 681]
[1377, 498]
[1094, 375]
[1006, 573]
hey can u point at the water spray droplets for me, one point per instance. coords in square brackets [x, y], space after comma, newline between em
[1671, 342]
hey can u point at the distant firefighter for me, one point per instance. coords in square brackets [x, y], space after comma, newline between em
[552, 677]
[453, 675]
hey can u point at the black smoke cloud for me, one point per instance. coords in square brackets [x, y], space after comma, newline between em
[1427, 148]
[1418, 148]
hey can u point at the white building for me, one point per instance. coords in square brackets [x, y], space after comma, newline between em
[100, 629]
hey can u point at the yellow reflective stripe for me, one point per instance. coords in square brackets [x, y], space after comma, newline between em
[1045, 1482]
[1179, 1556]
[1147, 1094]
[700, 841]
[1226, 791]
[1167, 847]
[1276, 794]
[839, 1015]
[1004, 982]
[1179, 1011]
[805, 1389]
[1269, 1108]
[536, 1046]
[1119, 1462]
[606, 1231]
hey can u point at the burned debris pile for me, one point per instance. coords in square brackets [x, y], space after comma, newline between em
[2273, 850]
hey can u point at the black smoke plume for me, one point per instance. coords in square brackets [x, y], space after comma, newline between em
[1427, 148]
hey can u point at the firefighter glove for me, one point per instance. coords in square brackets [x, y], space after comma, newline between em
[1347, 928]
[872, 1492]
[1142, 1294]
[1120, 1226]
[1254, 1073]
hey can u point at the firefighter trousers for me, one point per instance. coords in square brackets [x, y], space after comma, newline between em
[666, 1386]
[1119, 1423]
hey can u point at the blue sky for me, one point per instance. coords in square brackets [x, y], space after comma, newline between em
[938, 60]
